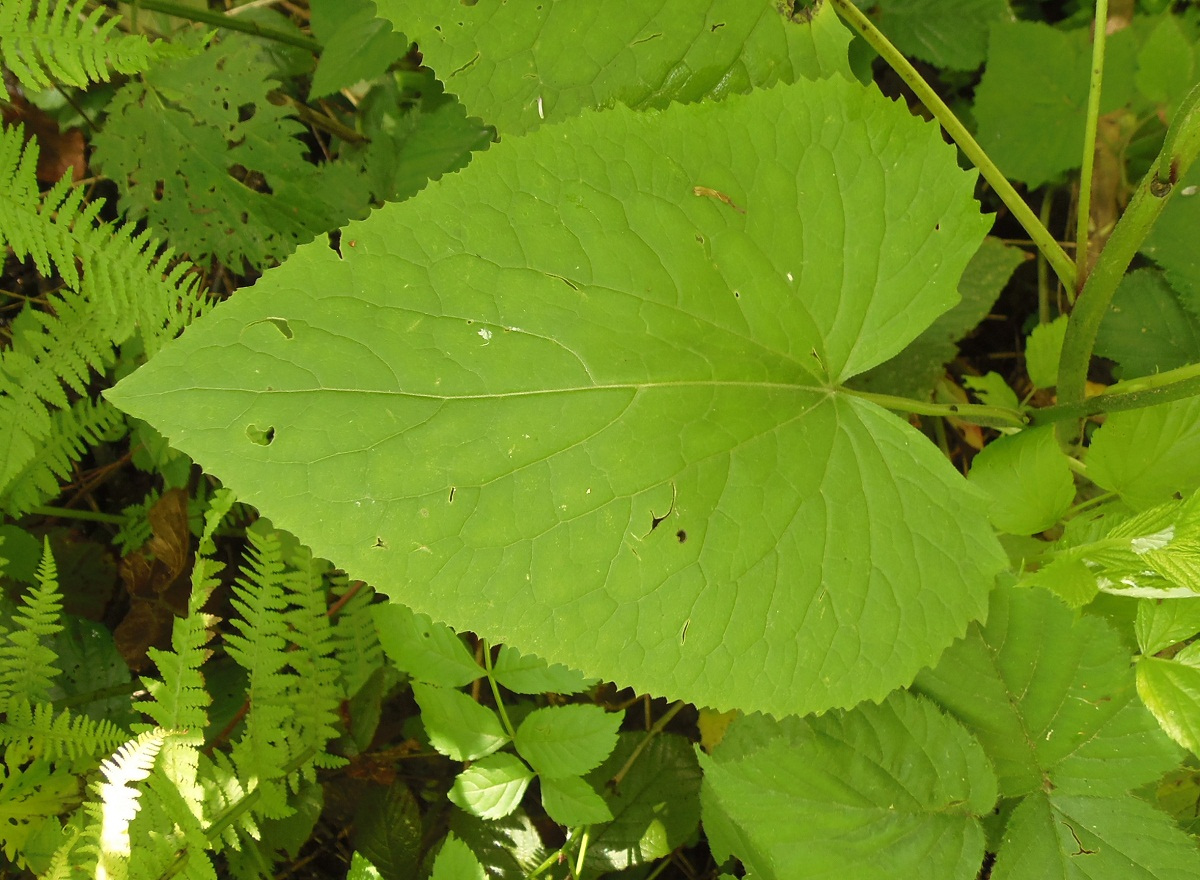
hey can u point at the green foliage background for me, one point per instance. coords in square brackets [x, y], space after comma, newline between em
[578, 332]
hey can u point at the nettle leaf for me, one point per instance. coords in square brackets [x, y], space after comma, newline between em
[492, 787]
[1148, 455]
[584, 398]
[1149, 327]
[1170, 688]
[220, 183]
[427, 650]
[515, 64]
[1052, 836]
[458, 727]
[886, 790]
[356, 44]
[1032, 100]
[527, 674]
[571, 801]
[1171, 241]
[946, 33]
[1051, 697]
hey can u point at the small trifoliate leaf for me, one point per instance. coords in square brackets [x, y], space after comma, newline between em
[455, 861]
[562, 741]
[492, 787]
[1042, 351]
[570, 801]
[1171, 690]
[1148, 455]
[1027, 480]
[527, 674]
[457, 726]
[427, 650]
[899, 778]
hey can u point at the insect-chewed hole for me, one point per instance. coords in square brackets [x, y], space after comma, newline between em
[379, 544]
[682, 536]
[261, 436]
[335, 241]
[280, 324]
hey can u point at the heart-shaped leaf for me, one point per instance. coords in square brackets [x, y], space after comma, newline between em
[584, 398]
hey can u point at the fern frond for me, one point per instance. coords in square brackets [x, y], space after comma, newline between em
[355, 640]
[260, 647]
[37, 731]
[119, 800]
[46, 40]
[317, 689]
[117, 284]
[26, 664]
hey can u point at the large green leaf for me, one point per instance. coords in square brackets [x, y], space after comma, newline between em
[946, 33]
[583, 398]
[891, 790]
[515, 64]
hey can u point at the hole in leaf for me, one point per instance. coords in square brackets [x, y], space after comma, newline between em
[261, 436]
[450, 500]
[281, 325]
[682, 536]
[335, 241]
[379, 544]
[714, 28]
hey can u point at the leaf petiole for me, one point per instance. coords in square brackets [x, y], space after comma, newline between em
[975, 413]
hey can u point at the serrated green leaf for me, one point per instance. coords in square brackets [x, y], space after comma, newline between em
[1171, 690]
[517, 64]
[1042, 351]
[1161, 624]
[492, 787]
[458, 727]
[362, 869]
[1171, 241]
[455, 861]
[356, 45]
[387, 831]
[1147, 329]
[1031, 102]
[1068, 578]
[1148, 455]
[886, 790]
[1063, 837]
[527, 674]
[946, 33]
[571, 802]
[579, 328]
[427, 650]
[560, 741]
[1167, 63]
[1051, 698]
[915, 371]
[186, 160]
[991, 389]
[655, 808]
[1027, 480]
[508, 847]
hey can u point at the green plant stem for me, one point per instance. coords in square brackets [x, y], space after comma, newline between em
[1055, 255]
[1043, 276]
[69, 513]
[487, 665]
[218, 19]
[1178, 153]
[583, 848]
[976, 413]
[1134, 394]
[1084, 211]
[654, 731]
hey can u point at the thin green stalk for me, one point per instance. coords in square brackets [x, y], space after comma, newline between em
[975, 413]
[1135, 394]
[1057, 257]
[1178, 153]
[654, 731]
[1043, 276]
[1084, 213]
[487, 665]
[583, 848]
[70, 513]
[218, 19]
